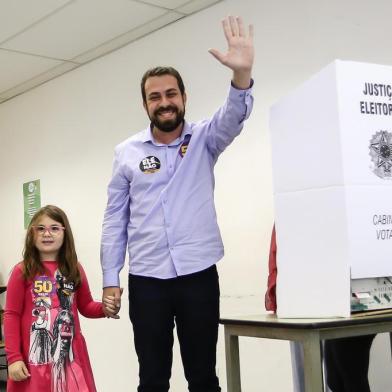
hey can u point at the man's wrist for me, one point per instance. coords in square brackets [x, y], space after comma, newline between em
[242, 81]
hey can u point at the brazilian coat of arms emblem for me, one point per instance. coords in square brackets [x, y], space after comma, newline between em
[381, 154]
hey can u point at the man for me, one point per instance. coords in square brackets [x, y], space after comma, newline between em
[160, 202]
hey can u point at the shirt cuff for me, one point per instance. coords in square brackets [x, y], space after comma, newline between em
[237, 94]
[111, 279]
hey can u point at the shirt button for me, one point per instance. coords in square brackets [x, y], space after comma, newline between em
[171, 248]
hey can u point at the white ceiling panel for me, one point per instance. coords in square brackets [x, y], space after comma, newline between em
[19, 67]
[36, 36]
[196, 5]
[128, 37]
[17, 15]
[169, 4]
[38, 80]
[81, 26]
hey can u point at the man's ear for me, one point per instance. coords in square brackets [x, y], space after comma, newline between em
[145, 106]
[184, 98]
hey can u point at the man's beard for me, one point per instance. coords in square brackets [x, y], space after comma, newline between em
[167, 125]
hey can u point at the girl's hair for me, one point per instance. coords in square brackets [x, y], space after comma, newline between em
[67, 259]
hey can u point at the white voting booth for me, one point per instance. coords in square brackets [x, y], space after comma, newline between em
[332, 171]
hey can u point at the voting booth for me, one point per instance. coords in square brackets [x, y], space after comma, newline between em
[332, 174]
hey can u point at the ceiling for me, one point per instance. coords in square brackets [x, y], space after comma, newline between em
[42, 39]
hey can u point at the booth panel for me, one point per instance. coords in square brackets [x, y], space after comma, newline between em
[313, 253]
[305, 136]
[365, 116]
[369, 223]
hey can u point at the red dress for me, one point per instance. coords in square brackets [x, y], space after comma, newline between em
[42, 328]
[270, 295]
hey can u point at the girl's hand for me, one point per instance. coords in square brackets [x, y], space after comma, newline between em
[17, 371]
[109, 306]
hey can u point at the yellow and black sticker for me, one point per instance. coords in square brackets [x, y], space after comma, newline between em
[183, 148]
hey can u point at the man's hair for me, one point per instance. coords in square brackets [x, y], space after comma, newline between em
[161, 71]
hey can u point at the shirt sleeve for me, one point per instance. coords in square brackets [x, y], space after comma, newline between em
[85, 303]
[14, 307]
[228, 121]
[114, 229]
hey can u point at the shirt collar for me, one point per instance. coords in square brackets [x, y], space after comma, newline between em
[146, 135]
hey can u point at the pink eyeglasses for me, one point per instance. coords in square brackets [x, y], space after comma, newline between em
[52, 229]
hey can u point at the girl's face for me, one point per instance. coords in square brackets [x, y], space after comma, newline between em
[48, 237]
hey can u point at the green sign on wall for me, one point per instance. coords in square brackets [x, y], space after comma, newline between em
[32, 200]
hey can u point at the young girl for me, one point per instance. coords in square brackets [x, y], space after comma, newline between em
[45, 348]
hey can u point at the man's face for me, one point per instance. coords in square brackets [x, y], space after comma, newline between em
[164, 104]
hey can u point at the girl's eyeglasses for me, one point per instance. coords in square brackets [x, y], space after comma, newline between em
[52, 230]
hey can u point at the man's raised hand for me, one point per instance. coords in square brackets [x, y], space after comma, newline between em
[240, 53]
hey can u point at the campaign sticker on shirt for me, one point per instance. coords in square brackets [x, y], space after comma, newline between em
[184, 147]
[43, 286]
[150, 165]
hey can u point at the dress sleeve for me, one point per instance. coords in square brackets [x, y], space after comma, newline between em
[14, 307]
[270, 295]
[85, 303]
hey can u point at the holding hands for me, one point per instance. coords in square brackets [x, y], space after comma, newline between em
[111, 301]
[240, 52]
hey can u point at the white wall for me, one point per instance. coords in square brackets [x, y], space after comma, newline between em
[64, 132]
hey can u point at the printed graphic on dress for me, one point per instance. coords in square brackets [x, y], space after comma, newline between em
[64, 291]
[41, 339]
[52, 329]
[150, 165]
[62, 349]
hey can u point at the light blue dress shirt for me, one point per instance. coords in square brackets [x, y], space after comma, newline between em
[161, 198]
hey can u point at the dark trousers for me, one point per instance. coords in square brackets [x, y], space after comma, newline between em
[347, 363]
[192, 303]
